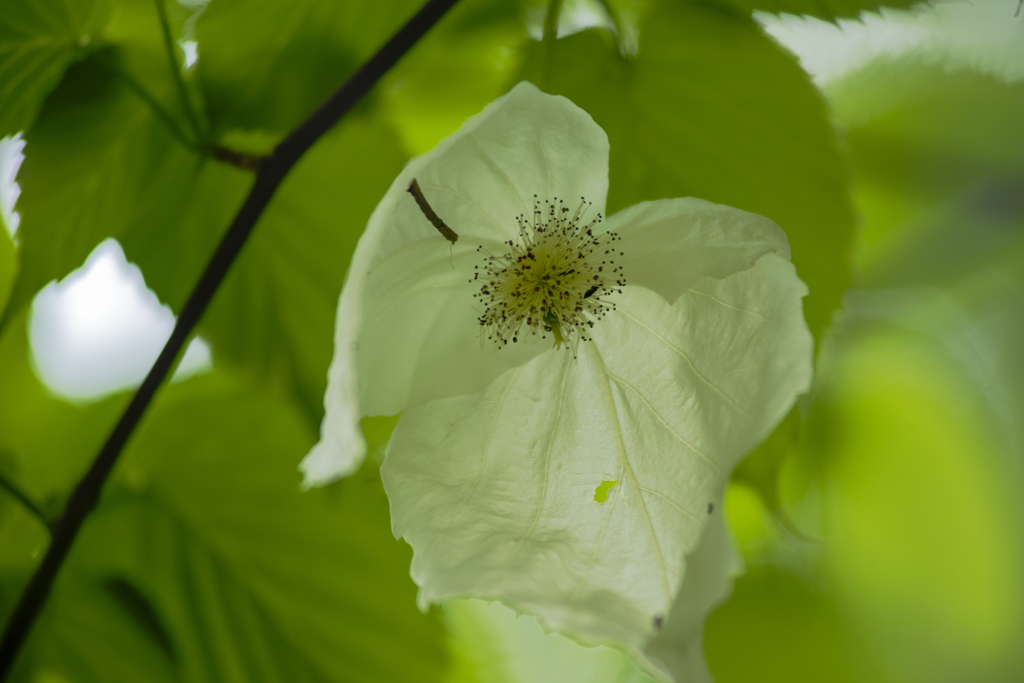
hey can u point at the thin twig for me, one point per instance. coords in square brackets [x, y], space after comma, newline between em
[172, 57]
[15, 491]
[549, 39]
[435, 220]
[272, 171]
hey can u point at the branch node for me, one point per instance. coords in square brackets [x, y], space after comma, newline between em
[246, 162]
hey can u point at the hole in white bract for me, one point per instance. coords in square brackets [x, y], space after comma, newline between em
[99, 329]
[190, 51]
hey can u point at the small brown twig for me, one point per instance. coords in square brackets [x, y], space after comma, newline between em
[417, 193]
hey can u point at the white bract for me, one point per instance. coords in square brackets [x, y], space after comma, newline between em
[566, 431]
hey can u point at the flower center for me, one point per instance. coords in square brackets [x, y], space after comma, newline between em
[552, 279]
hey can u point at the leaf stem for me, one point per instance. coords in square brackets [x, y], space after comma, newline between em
[613, 13]
[160, 112]
[549, 38]
[272, 172]
[551, 20]
[16, 492]
[176, 71]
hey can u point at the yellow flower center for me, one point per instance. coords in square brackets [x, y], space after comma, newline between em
[554, 278]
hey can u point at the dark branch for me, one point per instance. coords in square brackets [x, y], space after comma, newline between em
[442, 227]
[271, 172]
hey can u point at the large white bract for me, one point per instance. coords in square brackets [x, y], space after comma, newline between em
[580, 484]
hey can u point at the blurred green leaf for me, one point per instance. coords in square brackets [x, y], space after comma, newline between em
[938, 157]
[269, 63]
[38, 40]
[924, 523]
[8, 265]
[454, 71]
[761, 470]
[275, 311]
[712, 108]
[90, 633]
[776, 627]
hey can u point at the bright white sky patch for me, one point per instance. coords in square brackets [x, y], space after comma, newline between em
[190, 50]
[576, 16]
[10, 161]
[100, 329]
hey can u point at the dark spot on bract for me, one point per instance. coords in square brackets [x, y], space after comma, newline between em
[711, 508]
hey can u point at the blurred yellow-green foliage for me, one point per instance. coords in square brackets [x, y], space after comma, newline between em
[882, 525]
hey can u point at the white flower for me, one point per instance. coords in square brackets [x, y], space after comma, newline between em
[566, 430]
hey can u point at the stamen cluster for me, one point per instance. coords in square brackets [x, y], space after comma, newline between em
[554, 278]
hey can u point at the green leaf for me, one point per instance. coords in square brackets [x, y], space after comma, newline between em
[8, 265]
[38, 40]
[267, 64]
[205, 545]
[275, 311]
[103, 164]
[712, 108]
[95, 631]
[830, 10]
[467, 57]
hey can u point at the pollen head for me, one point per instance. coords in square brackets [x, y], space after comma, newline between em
[555, 278]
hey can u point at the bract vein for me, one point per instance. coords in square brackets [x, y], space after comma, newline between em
[628, 469]
[547, 463]
[654, 412]
[487, 445]
[682, 355]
